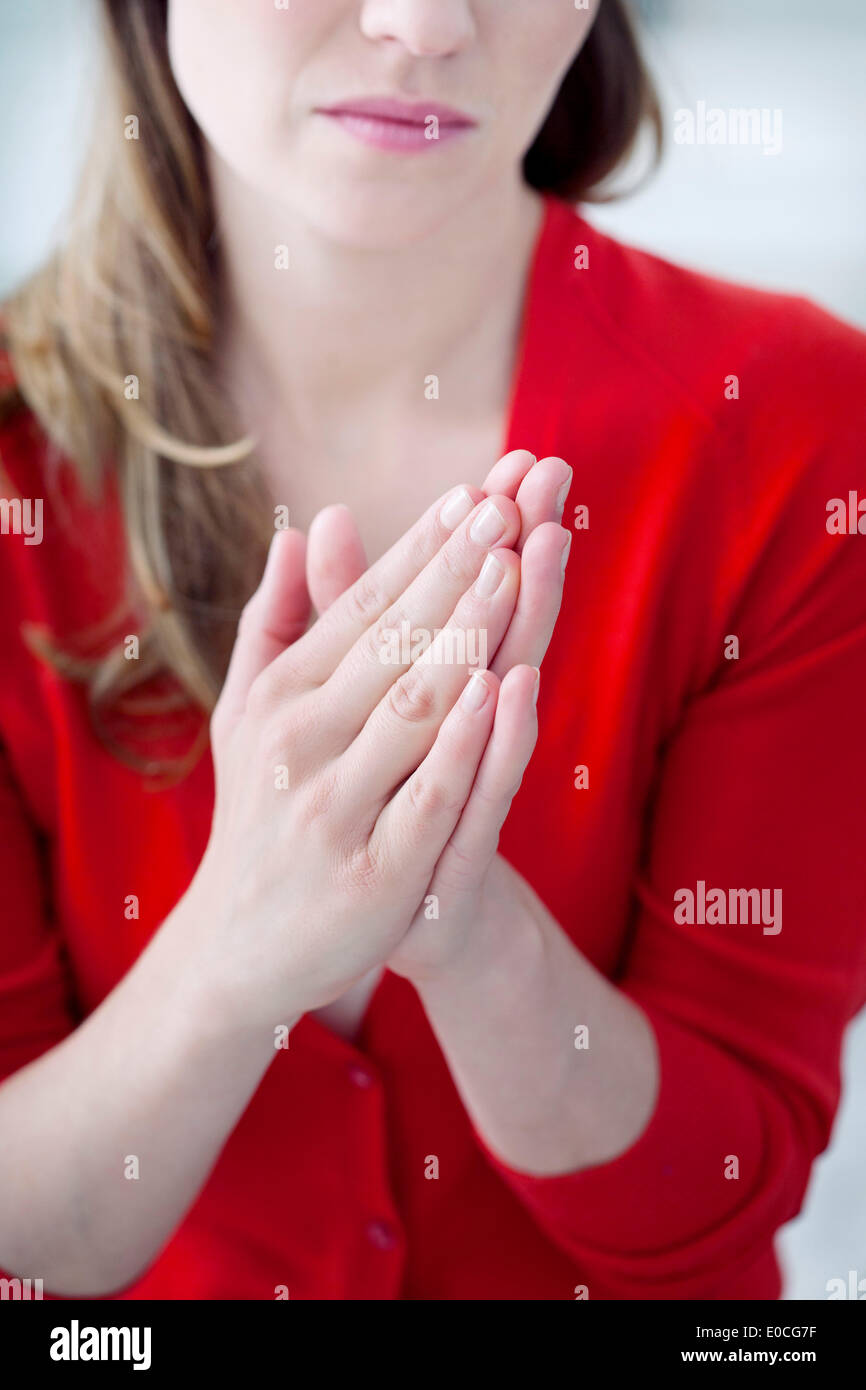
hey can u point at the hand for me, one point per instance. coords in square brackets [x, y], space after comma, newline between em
[339, 778]
[335, 554]
[472, 885]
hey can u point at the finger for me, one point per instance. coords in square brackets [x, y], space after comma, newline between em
[316, 655]
[421, 817]
[388, 648]
[403, 727]
[335, 555]
[273, 618]
[542, 574]
[508, 473]
[470, 849]
[539, 488]
[542, 495]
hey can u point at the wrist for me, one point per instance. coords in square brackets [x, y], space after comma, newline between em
[217, 1005]
[501, 951]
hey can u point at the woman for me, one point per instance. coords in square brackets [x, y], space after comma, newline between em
[308, 1034]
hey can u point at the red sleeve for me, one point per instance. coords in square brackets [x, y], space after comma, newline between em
[35, 1012]
[762, 786]
[34, 987]
[35, 1009]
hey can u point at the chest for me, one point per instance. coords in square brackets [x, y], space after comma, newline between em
[386, 477]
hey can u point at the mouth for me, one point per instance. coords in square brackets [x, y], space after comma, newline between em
[388, 123]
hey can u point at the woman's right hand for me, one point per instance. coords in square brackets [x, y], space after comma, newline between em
[340, 776]
[300, 892]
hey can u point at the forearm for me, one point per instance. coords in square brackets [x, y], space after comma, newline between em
[106, 1140]
[505, 1014]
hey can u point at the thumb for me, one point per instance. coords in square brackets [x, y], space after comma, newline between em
[275, 616]
[335, 555]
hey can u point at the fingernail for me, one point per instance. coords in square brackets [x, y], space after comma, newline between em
[456, 509]
[565, 550]
[490, 577]
[475, 692]
[488, 526]
[536, 686]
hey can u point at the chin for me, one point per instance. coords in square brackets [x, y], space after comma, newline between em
[378, 214]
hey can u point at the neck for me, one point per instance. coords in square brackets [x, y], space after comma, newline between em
[350, 329]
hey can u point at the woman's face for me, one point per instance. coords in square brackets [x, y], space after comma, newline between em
[281, 90]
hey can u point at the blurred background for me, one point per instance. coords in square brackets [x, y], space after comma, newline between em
[790, 220]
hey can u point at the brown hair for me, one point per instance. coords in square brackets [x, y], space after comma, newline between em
[606, 99]
[134, 288]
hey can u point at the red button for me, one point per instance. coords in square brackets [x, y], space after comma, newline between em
[360, 1076]
[381, 1234]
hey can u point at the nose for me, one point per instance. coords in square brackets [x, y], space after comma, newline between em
[425, 28]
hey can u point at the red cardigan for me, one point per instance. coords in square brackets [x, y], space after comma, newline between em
[707, 519]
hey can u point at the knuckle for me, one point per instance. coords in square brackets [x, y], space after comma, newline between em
[276, 745]
[495, 800]
[297, 669]
[489, 796]
[422, 547]
[412, 699]
[504, 795]
[458, 868]
[274, 687]
[261, 696]
[512, 791]
[455, 568]
[285, 734]
[365, 599]
[393, 621]
[429, 800]
[364, 870]
[320, 798]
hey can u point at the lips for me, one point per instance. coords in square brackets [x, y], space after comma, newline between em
[416, 113]
[402, 127]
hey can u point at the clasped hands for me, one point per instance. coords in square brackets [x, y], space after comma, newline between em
[359, 801]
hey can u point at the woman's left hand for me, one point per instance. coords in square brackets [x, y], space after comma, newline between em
[474, 893]
[472, 885]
